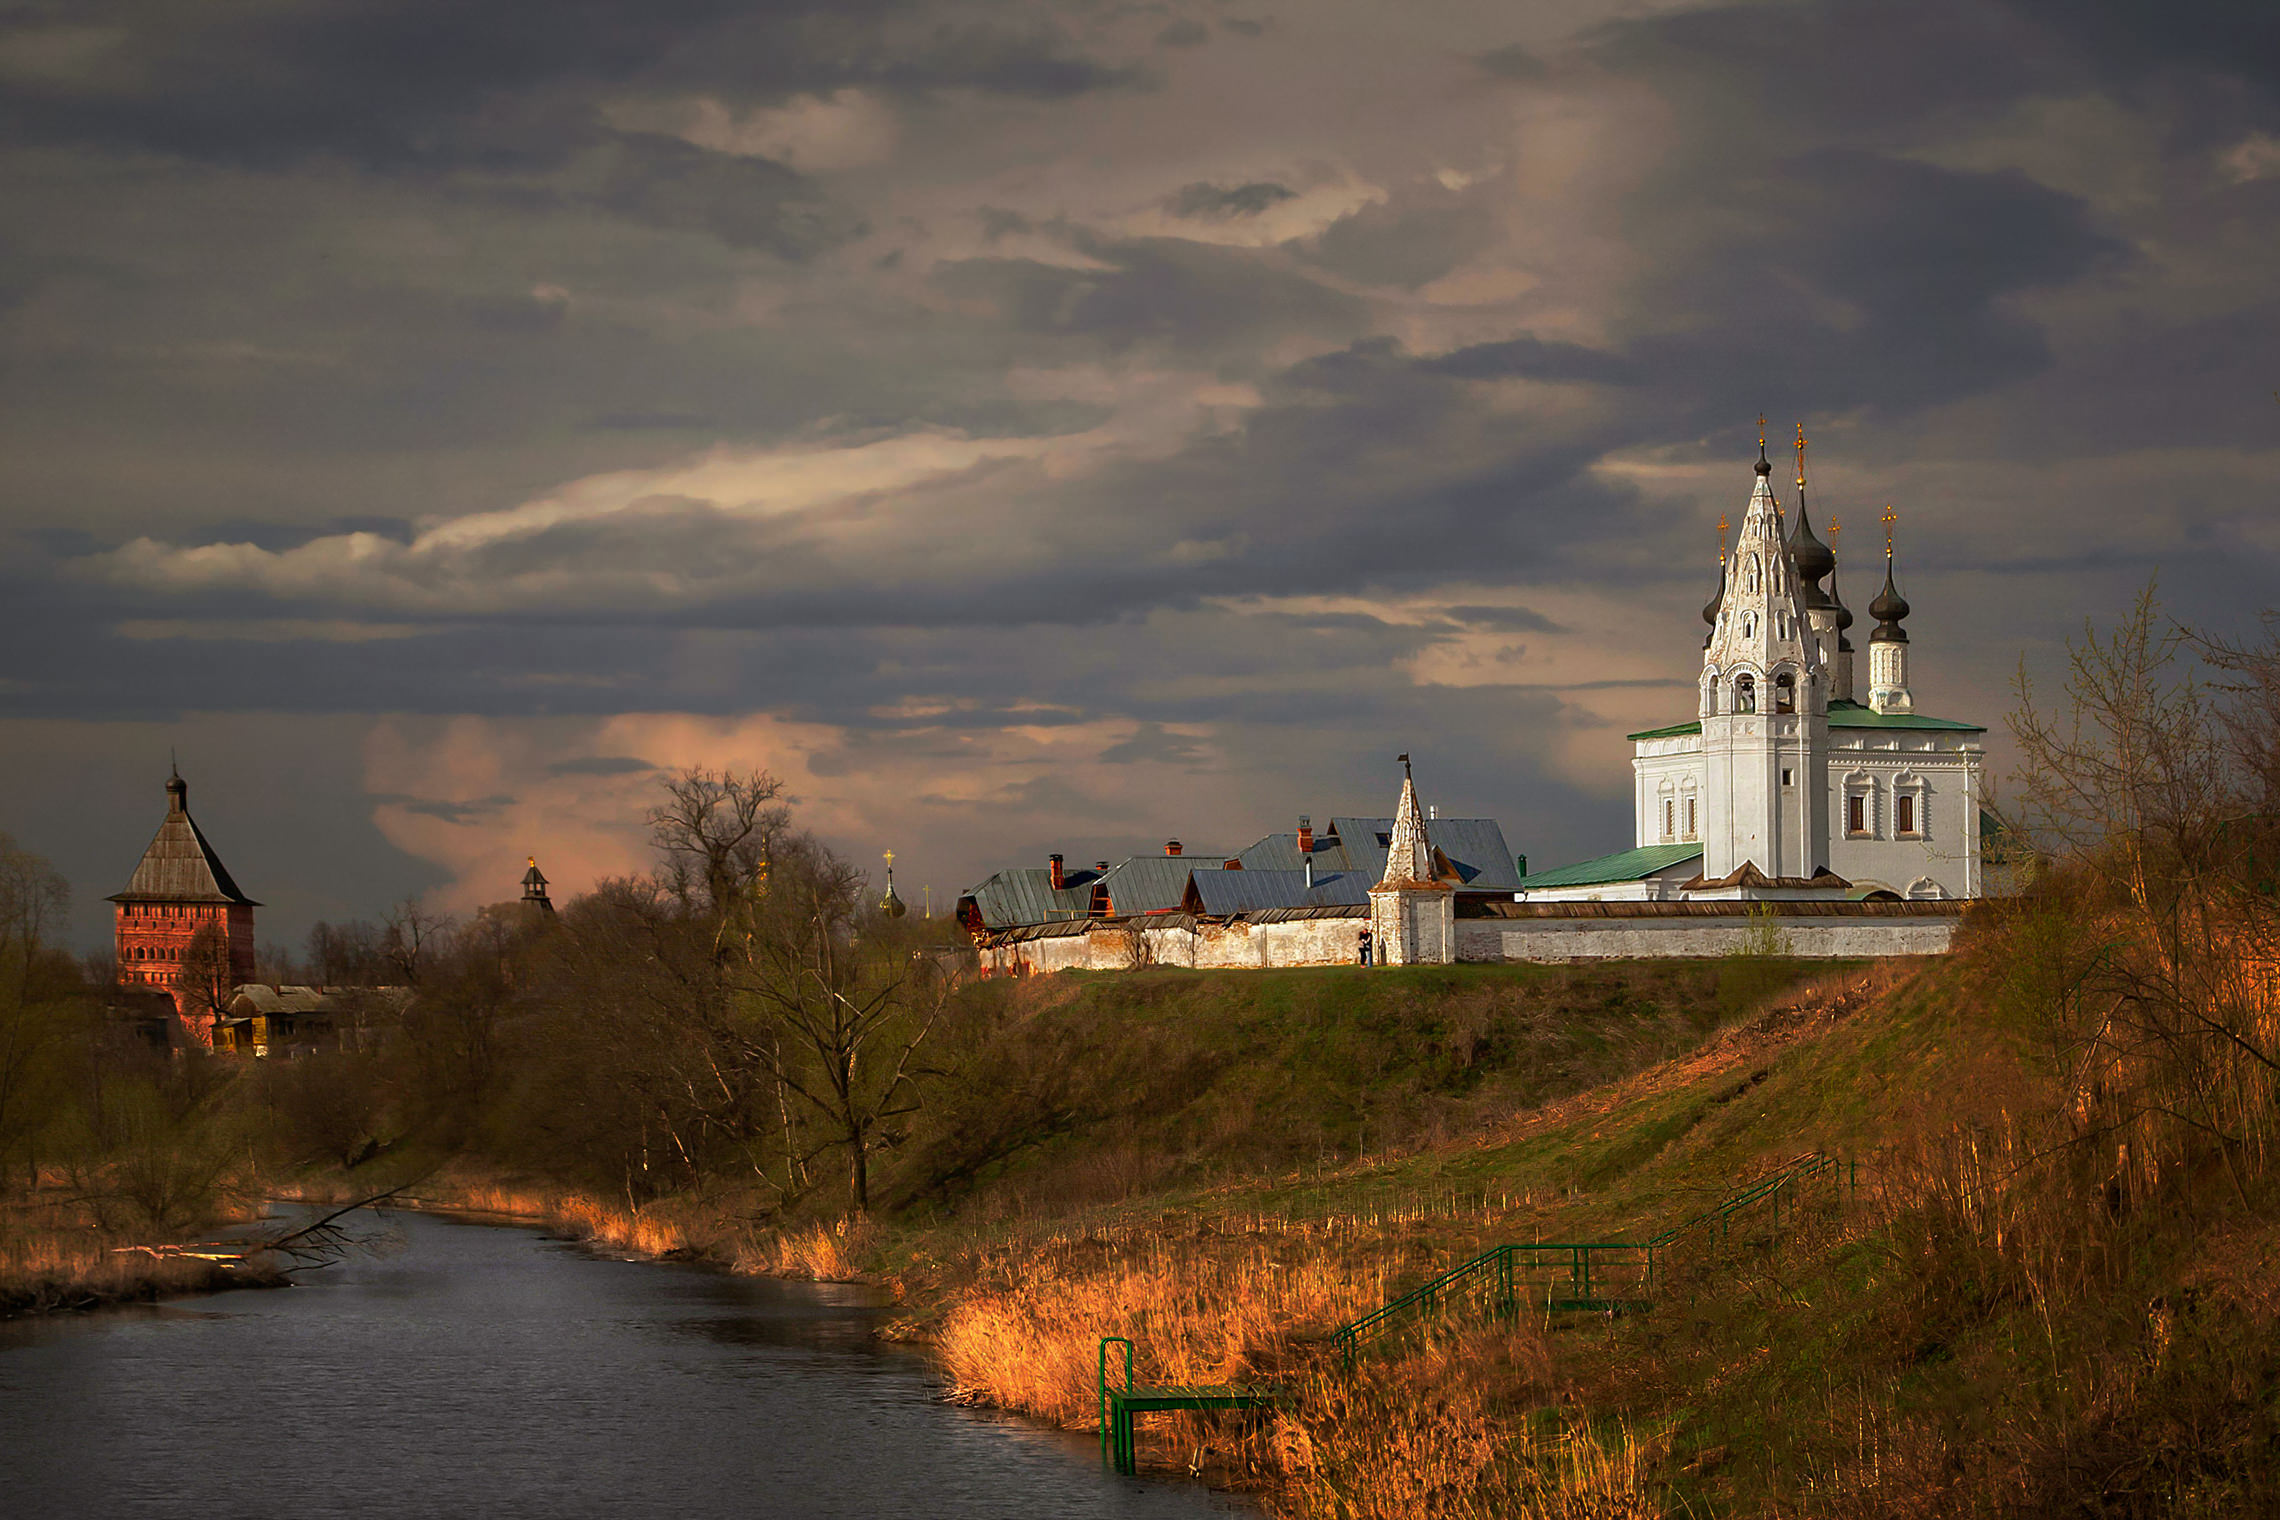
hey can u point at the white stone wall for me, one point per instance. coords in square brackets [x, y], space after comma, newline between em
[1564, 939]
[1336, 941]
[1208, 947]
[1667, 770]
[1944, 774]
[1412, 926]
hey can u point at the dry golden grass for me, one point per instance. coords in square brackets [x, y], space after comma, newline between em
[55, 1257]
[1026, 1335]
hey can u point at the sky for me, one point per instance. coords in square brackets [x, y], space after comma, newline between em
[1062, 426]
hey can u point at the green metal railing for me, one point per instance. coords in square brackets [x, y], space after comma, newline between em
[1119, 1440]
[1612, 1275]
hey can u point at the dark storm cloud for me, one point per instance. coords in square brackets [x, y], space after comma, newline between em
[1853, 280]
[280, 273]
[428, 85]
[600, 765]
[1203, 201]
[1406, 245]
[1533, 359]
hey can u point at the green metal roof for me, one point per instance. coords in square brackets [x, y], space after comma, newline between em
[1841, 715]
[1623, 865]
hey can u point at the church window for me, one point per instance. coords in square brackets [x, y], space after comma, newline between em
[1856, 814]
[1785, 693]
[1750, 575]
[1690, 829]
[1670, 817]
[1745, 695]
[1781, 624]
[1788, 777]
[1749, 625]
[1904, 813]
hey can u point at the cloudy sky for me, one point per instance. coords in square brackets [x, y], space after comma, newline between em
[1060, 425]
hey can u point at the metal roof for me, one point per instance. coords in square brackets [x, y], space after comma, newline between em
[1623, 865]
[1474, 846]
[1022, 895]
[1154, 883]
[180, 866]
[1842, 714]
[1222, 894]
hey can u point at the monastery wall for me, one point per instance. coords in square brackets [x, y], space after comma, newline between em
[1647, 938]
[1550, 932]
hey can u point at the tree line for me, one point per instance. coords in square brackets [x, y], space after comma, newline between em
[749, 1013]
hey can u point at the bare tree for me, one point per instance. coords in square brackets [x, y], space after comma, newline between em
[717, 828]
[203, 982]
[410, 938]
[849, 994]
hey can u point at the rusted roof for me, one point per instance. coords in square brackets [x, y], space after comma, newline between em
[180, 866]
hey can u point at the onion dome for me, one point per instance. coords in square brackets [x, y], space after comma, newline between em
[1844, 613]
[1812, 558]
[1888, 609]
[1717, 597]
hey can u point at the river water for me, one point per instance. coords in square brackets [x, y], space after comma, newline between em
[488, 1371]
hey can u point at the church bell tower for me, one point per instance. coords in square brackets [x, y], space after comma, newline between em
[1765, 703]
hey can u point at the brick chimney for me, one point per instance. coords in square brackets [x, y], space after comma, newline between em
[1171, 847]
[1305, 835]
[1053, 865]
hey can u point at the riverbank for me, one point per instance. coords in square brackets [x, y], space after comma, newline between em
[52, 1267]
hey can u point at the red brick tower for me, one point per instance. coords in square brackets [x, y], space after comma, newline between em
[179, 888]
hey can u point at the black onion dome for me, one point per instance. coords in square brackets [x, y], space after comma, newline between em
[1717, 598]
[1812, 558]
[1888, 609]
[1764, 465]
[1844, 613]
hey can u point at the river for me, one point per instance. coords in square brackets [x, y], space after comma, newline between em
[488, 1371]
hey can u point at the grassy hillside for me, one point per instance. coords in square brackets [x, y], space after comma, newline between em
[1962, 1340]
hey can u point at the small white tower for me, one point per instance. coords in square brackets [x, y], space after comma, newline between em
[1413, 910]
[1888, 642]
[1764, 709]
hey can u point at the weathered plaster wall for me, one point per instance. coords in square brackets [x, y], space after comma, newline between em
[1206, 947]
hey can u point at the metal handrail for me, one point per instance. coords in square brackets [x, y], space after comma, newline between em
[1583, 1256]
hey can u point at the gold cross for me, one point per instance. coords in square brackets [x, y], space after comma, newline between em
[890, 860]
[1761, 430]
[1800, 454]
[1835, 528]
[1888, 519]
[1721, 538]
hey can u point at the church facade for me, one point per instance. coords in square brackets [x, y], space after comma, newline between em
[1796, 780]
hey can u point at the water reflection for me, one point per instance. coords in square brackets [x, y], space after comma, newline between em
[491, 1371]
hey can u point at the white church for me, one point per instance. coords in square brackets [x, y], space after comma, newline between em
[1787, 785]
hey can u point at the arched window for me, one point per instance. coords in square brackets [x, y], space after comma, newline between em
[1750, 575]
[1745, 694]
[1785, 693]
[1749, 625]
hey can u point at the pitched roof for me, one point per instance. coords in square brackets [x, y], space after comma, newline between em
[1153, 883]
[1842, 714]
[180, 866]
[1623, 865]
[1474, 847]
[1221, 894]
[1021, 895]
